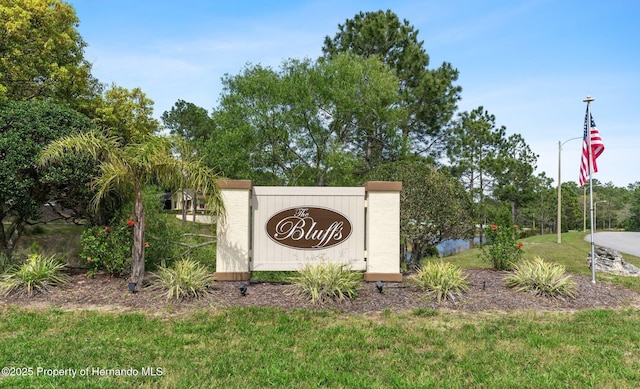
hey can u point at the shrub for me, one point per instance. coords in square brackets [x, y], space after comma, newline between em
[502, 249]
[441, 279]
[108, 248]
[186, 278]
[544, 278]
[36, 274]
[161, 233]
[326, 282]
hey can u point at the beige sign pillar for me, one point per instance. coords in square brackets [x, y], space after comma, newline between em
[234, 235]
[383, 231]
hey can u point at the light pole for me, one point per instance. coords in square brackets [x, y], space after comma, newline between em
[559, 222]
[595, 213]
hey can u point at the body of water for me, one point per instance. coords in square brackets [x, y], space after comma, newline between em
[454, 246]
[451, 247]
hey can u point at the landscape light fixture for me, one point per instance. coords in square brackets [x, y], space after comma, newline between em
[379, 285]
[132, 287]
[243, 289]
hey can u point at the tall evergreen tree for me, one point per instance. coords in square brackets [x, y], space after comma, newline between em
[429, 95]
[188, 121]
[472, 152]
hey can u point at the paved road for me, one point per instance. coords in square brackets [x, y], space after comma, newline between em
[625, 242]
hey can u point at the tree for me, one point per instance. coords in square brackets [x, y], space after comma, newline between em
[428, 95]
[191, 126]
[514, 169]
[571, 212]
[130, 156]
[26, 128]
[189, 122]
[632, 223]
[126, 168]
[42, 54]
[126, 114]
[489, 163]
[472, 151]
[542, 209]
[182, 149]
[434, 207]
[615, 209]
[311, 123]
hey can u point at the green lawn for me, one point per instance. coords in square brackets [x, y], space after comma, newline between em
[264, 347]
[572, 253]
[268, 347]
[61, 239]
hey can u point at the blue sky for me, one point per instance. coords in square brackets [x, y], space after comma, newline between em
[531, 63]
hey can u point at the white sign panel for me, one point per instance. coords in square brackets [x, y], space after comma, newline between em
[293, 226]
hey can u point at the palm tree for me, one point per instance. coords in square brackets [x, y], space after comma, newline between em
[186, 153]
[125, 168]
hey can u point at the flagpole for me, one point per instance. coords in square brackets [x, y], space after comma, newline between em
[588, 100]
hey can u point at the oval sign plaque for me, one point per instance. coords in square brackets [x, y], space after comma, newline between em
[308, 228]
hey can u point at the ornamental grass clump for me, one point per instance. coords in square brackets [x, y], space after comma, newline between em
[543, 278]
[326, 282]
[443, 280]
[38, 273]
[185, 279]
[502, 249]
[5, 262]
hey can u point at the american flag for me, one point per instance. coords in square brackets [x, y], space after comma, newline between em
[597, 147]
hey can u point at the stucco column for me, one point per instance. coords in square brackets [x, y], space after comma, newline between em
[383, 231]
[233, 250]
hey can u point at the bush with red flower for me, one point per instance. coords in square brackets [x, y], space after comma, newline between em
[107, 248]
[502, 249]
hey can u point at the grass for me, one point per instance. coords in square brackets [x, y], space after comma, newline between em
[63, 240]
[571, 253]
[268, 347]
[195, 234]
[59, 238]
[273, 276]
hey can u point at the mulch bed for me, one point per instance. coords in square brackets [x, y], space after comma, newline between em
[487, 293]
